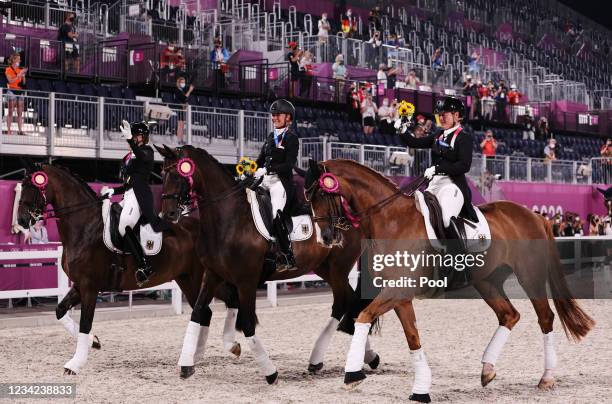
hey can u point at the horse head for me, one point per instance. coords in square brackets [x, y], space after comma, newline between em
[33, 198]
[177, 182]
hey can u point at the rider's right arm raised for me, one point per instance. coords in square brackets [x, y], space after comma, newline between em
[417, 143]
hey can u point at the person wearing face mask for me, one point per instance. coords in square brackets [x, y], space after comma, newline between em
[182, 94]
[68, 36]
[385, 115]
[324, 28]
[15, 78]
[276, 161]
[219, 57]
[451, 153]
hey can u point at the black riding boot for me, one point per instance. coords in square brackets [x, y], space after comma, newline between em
[143, 271]
[284, 258]
[455, 244]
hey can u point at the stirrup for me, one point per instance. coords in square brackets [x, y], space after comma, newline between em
[142, 275]
[285, 262]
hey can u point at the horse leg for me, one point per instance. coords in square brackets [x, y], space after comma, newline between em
[545, 319]
[247, 323]
[88, 308]
[507, 315]
[71, 299]
[353, 373]
[422, 372]
[196, 334]
[229, 295]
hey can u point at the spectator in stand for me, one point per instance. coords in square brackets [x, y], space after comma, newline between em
[306, 73]
[381, 76]
[392, 73]
[385, 116]
[606, 150]
[16, 81]
[349, 24]
[68, 36]
[557, 225]
[368, 114]
[353, 103]
[340, 74]
[293, 56]
[549, 150]
[529, 132]
[578, 226]
[37, 234]
[412, 81]
[567, 226]
[219, 57]
[374, 19]
[488, 144]
[501, 99]
[470, 90]
[167, 63]
[324, 28]
[485, 93]
[474, 64]
[542, 130]
[373, 51]
[423, 126]
[595, 225]
[436, 65]
[181, 63]
[182, 94]
[514, 98]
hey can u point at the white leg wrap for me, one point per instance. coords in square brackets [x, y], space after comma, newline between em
[80, 356]
[550, 356]
[354, 359]
[229, 329]
[190, 344]
[261, 356]
[369, 352]
[201, 346]
[70, 325]
[495, 346]
[422, 372]
[318, 352]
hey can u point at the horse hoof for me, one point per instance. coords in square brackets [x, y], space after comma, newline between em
[546, 384]
[96, 343]
[187, 371]
[353, 379]
[68, 372]
[421, 398]
[487, 378]
[374, 362]
[313, 369]
[236, 350]
[273, 378]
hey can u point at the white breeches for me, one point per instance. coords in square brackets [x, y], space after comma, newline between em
[130, 213]
[277, 192]
[449, 196]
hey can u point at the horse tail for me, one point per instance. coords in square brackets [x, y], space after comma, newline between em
[575, 321]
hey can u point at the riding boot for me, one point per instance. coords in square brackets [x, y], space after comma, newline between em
[160, 225]
[455, 245]
[284, 258]
[144, 270]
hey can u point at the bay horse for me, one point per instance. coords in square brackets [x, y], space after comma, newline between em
[235, 252]
[93, 268]
[385, 213]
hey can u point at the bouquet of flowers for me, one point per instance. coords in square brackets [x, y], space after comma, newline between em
[246, 167]
[405, 110]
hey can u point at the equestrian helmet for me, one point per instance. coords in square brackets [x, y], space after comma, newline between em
[282, 106]
[450, 104]
[140, 128]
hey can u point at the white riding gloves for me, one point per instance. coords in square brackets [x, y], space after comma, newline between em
[126, 130]
[106, 191]
[260, 172]
[401, 126]
[430, 172]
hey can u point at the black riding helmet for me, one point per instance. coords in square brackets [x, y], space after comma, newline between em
[282, 106]
[141, 128]
[450, 104]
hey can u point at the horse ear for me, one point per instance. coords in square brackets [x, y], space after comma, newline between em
[312, 174]
[160, 151]
[28, 164]
[171, 153]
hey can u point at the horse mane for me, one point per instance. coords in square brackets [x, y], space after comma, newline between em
[78, 180]
[210, 158]
[375, 173]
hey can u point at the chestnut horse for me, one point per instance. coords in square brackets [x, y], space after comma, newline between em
[388, 214]
[235, 252]
[93, 268]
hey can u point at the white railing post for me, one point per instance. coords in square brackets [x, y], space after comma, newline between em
[47, 14]
[362, 154]
[507, 170]
[240, 134]
[387, 157]
[529, 169]
[549, 171]
[329, 151]
[272, 293]
[100, 142]
[51, 129]
[574, 172]
[590, 179]
[189, 124]
[324, 151]
[177, 299]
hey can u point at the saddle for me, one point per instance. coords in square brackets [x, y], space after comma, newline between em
[299, 224]
[150, 241]
[476, 235]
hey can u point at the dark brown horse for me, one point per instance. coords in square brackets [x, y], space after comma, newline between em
[235, 252]
[521, 241]
[92, 267]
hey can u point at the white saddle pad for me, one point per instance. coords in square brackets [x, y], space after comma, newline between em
[150, 241]
[479, 232]
[302, 225]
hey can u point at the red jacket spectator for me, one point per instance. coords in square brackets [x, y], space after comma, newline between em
[514, 96]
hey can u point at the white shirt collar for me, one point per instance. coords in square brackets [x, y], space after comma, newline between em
[278, 132]
[451, 130]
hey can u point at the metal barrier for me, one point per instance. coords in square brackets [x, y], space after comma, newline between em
[601, 170]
